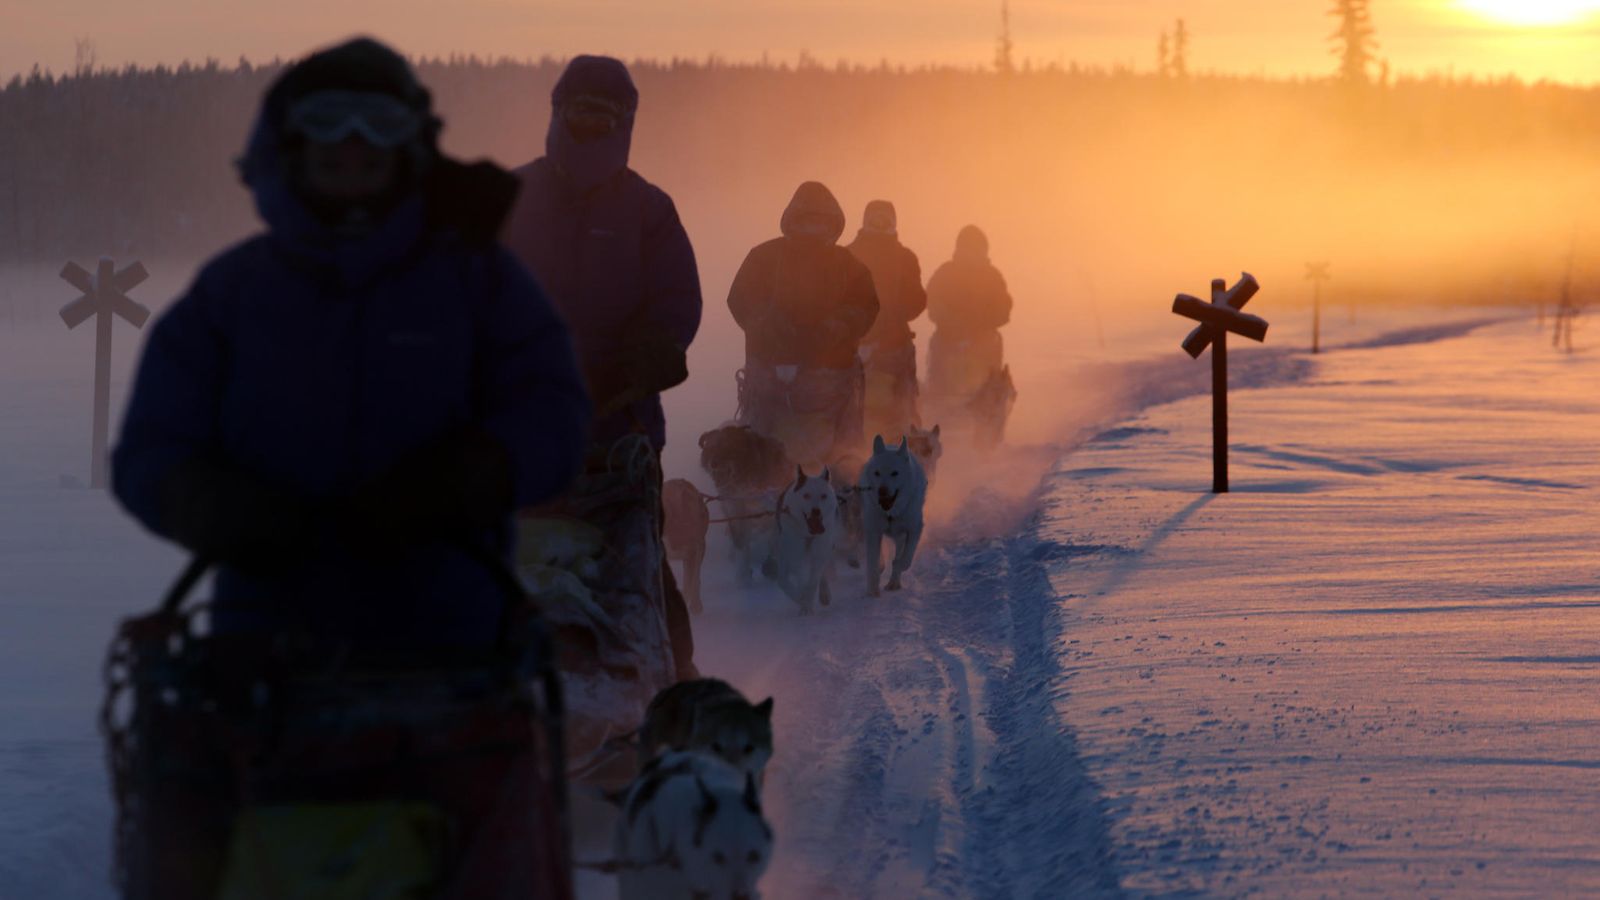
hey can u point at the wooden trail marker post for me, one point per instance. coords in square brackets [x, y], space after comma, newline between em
[105, 295]
[1316, 273]
[1216, 319]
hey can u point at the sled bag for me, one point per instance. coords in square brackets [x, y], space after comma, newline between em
[815, 413]
[244, 768]
[349, 851]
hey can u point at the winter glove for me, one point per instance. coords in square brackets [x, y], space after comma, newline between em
[450, 489]
[225, 515]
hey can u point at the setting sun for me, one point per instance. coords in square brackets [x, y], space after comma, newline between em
[1533, 12]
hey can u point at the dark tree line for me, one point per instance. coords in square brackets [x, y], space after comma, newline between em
[139, 161]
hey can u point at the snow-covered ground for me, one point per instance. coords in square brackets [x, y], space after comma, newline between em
[1409, 517]
[1004, 728]
[1370, 669]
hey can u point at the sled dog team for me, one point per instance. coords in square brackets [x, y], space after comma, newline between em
[793, 526]
[690, 824]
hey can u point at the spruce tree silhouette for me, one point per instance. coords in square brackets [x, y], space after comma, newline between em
[1356, 39]
[1003, 61]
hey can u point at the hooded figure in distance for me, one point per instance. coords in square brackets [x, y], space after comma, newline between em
[889, 351]
[968, 303]
[805, 303]
[344, 411]
[610, 249]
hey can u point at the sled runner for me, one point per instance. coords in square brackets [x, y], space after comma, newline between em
[253, 767]
[593, 562]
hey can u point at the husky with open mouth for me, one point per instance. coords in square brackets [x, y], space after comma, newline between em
[894, 490]
[808, 530]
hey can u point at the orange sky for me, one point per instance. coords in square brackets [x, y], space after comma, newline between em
[1244, 36]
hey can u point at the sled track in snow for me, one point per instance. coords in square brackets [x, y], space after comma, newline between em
[1038, 830]
[940, 768]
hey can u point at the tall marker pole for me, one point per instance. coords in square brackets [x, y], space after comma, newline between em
[1219, 408]
[1317, 273]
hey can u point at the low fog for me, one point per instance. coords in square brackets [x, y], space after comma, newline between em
[1102, 193]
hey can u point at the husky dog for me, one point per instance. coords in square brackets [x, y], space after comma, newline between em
[709, 716]
[691, 829]
[808, 530]
[927, 447]
[687, 522]
[846, 472]
[991, 409]
[748, 469]
[895, 489]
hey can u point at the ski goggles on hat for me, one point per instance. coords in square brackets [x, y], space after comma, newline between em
[329, 117]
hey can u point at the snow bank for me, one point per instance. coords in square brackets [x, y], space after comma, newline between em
[1369, 669]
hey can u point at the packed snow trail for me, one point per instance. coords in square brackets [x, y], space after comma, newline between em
[919, 753]
[1371, 668]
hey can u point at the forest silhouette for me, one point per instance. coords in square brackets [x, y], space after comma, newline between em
[1462, 187]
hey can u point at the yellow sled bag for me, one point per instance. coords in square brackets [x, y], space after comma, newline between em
[349, 851]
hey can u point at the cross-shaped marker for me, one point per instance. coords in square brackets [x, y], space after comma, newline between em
[1216, 319]
[105, 294]
[1316, 273]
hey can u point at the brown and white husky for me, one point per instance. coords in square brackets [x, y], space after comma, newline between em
[709, 716]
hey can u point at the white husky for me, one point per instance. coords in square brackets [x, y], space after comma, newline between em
[894, 489]
[691, 829]
[808, 529]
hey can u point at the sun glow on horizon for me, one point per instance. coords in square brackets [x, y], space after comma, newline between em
[1533, 13]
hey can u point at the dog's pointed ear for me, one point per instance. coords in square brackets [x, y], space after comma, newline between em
[827, 474]
[902, 448]
[752, 797]
[935, 431]
[764, 708]
[877, 444]
[799, 476]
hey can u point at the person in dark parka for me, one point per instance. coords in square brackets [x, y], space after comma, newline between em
[805, 303]
[610, 248]
[338, 404]
[889, 350]
[343, 413]
[968, 303]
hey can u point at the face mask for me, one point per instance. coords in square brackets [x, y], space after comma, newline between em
[589, 118]
[813, 225]
[351, 185]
